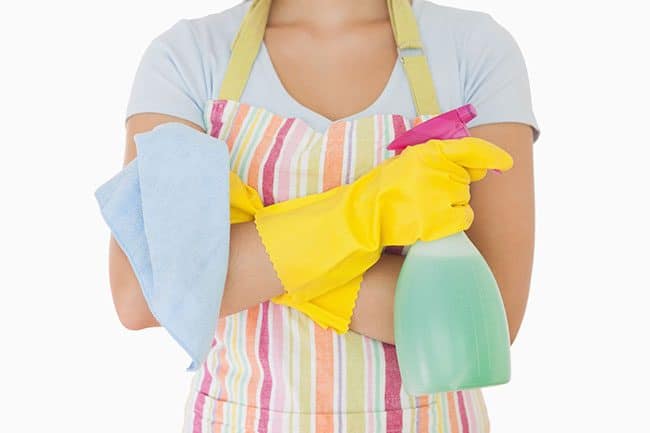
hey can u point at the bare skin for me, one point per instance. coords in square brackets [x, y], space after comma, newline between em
[355, 55]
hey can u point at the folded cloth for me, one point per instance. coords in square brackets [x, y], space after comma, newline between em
[168, 209]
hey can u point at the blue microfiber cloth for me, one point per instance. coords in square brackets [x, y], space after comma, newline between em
[169, 211]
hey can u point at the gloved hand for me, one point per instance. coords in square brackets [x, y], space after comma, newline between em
[326, 240]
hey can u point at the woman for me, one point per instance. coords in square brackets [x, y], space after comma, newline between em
[326, 69]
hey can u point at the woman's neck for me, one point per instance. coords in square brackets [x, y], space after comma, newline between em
[326, 14]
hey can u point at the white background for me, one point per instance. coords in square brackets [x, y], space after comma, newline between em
[580, 362]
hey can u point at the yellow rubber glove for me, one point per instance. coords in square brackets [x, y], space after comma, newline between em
[327, 240]
[244, 200]
[332, 309]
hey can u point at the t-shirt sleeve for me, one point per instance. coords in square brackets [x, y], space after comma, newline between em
[170, 79]
[495, 77]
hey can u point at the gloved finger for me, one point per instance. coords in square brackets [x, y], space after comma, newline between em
[474, 152]
[467, 213]
[476, 174]
[238, 216]
[459, 194]
[455, 219]
[434, 157]
[458, 173]
[244, 200]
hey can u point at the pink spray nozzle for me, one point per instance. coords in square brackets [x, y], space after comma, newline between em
[451, 124]
[466, 113]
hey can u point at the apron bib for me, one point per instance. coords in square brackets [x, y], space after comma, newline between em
[272, 369]
[283, 157]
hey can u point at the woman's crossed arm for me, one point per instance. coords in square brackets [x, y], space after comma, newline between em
[502, 230]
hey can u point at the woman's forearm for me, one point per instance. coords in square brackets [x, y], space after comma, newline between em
[251, 278]
[373, 313]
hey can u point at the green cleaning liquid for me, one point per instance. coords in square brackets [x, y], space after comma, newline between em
[451, 331]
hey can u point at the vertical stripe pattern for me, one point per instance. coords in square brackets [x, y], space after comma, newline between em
[271, 368]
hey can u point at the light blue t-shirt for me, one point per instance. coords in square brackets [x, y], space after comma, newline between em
[472, 58]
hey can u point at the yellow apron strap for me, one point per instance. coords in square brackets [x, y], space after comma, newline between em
[247, 42]
[407, 37]
[244, 49]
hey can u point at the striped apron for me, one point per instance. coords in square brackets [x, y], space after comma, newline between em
[271, 369]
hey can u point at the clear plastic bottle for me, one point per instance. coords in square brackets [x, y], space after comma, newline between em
[451, 331]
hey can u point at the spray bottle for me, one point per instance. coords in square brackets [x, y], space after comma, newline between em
[451, 331]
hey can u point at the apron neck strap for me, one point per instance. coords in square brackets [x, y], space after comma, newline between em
[248, 40]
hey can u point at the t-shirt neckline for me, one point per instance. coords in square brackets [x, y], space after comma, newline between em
[386, 91]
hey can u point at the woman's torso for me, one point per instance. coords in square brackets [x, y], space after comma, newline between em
[271, 369]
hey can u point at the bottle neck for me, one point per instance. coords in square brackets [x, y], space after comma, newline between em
[454, 245]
